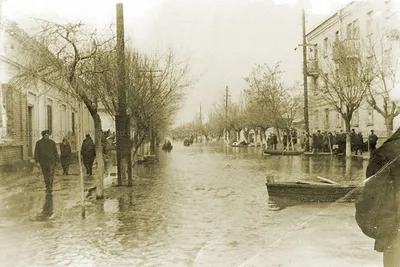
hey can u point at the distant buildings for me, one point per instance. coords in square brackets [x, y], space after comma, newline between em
[357, 27]
[25, 112]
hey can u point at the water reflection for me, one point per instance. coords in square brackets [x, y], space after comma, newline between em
[203, 205]
[47, 210]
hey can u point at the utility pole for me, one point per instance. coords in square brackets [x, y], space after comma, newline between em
[122, 120]
[226, 112]
[305, 77]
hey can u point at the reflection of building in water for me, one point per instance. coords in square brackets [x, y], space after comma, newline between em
[363, 33]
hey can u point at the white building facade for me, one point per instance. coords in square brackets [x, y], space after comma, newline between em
[25, 112]
[359, 25]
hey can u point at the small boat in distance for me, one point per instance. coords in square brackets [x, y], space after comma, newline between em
[242, 144]
[268, 151]
[167, 146]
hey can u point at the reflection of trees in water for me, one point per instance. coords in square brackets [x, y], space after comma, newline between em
[337, 168]
[142, 209]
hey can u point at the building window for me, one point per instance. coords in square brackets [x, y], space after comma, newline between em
[370, 65]
[356, 30]
[338, 120]
[337, 37]
[369, 23]
[349, 30]
[370, 119]
[325, 51]
[327, 119]
[353, 30]
[355, 119]
[387, 60]
[49, 118]
[326, 83]
[73, 123]
[316, 116]
[49, 115]
[63, 118]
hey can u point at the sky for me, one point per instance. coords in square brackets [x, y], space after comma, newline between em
[220, 39]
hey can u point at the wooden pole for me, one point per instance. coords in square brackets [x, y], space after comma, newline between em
[329, 142]
[305, 74]
[80, 132]
[122, 120]
[226, 113]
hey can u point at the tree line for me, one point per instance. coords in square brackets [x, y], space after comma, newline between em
[82, 64]
[358, 72]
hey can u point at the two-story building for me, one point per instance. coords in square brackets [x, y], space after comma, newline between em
[358, 27]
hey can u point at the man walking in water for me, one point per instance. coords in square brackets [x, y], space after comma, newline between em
[88, 152]
[46, 155]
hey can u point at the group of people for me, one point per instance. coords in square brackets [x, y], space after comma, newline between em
[336, 142]
[289, 140]
[46, 155]
[326, 141]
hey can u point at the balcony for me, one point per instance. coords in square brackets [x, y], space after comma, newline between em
[346, 49]
[312, 67]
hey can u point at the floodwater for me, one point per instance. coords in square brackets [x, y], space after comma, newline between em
[204, 205]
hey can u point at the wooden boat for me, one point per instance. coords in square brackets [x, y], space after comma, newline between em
[308, 153]
[239, 145]
[283, 152]
[304, 191]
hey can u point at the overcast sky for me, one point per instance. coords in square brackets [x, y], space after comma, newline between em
[221, 39]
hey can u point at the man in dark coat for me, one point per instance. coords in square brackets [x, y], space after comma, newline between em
[46, 155]
[65, 157]
[341, 141]
[372, 140]
[358, 143]
[390, 149]
[88, 152]
[353, 140]
[274, 141]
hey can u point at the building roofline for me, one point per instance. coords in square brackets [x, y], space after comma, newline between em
[330, 17]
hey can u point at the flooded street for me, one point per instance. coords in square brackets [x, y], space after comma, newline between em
[204, 205]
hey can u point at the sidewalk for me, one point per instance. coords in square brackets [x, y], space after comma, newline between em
[22, 196]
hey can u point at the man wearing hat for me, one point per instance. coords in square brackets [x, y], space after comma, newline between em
[88, 152]
[372, 140]
[46, 155]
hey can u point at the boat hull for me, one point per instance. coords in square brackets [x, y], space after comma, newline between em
[281, 152]
[312, 193]
[322, 154]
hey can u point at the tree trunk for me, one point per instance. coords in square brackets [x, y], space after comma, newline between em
[348, 138]
[389, 125]
[152, 142]
[99, 156]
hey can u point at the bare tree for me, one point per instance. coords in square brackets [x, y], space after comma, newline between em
[270, 102]
[383, 63]
[345, 82]
[59, 55]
